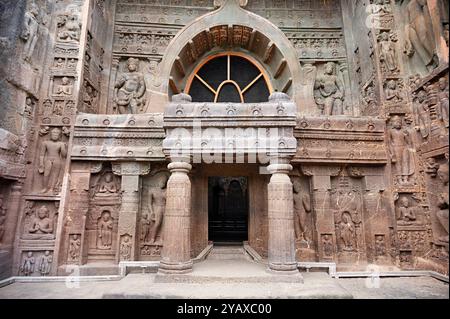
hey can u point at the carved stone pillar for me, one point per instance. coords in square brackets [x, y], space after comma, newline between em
[127, 234]
[176, 253]
[281, 218]
[12, 203]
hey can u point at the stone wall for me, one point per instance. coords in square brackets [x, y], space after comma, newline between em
[83, 171]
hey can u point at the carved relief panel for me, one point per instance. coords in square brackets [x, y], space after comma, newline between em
[3, 216]
[36, 263]
[51, 158]
[303, 219]
[347, 205]
[40, 220]
[153, 204]
[420, 48]
[401, 149]
[299, 14]
[103, 216]
[437, 179]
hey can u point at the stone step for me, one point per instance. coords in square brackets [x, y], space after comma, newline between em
[227, 253]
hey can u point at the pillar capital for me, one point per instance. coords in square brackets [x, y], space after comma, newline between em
[182, 167]
[280, 165]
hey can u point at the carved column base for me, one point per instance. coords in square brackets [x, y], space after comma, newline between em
[167, 267]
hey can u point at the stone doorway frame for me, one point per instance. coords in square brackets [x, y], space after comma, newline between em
[246, 201]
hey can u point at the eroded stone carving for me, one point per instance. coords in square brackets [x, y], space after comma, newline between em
[89, 98]
[65, 88]
[387, 52]
[69, 28]
[74, 248]
[156, 208]
[2, 220]
[108, 186]
[42, 223]
[302, 207]
[45, 265]
[104, 231]
[431, 167]
[380, 245]
[392, 92]
[51, 160]
[347, 232]
[125, 247]
[443, 201]
[421, 114]
[329, 91]
[130, 88]
[28, 264]
[29, 108]
[327, 245]
[401, 151]
[406, 214]
[443, 96]
[30, 32]
[419, 33]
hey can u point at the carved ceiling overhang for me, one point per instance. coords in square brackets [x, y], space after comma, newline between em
[346, 140]
[230, 128]
[136, 137]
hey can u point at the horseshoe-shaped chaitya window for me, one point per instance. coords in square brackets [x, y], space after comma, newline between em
[229, 77]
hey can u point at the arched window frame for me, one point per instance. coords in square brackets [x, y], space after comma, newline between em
[241, 91]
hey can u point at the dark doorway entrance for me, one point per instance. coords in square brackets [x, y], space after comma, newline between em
[228, 209]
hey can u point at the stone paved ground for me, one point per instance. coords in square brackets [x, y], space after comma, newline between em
[317, 285]
[397, 288]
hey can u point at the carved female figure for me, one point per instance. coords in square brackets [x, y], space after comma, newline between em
[130, 88]
[30, 31]
[104, 230]
[329, 91]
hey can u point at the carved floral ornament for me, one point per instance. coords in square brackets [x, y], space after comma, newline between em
[219, 3]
